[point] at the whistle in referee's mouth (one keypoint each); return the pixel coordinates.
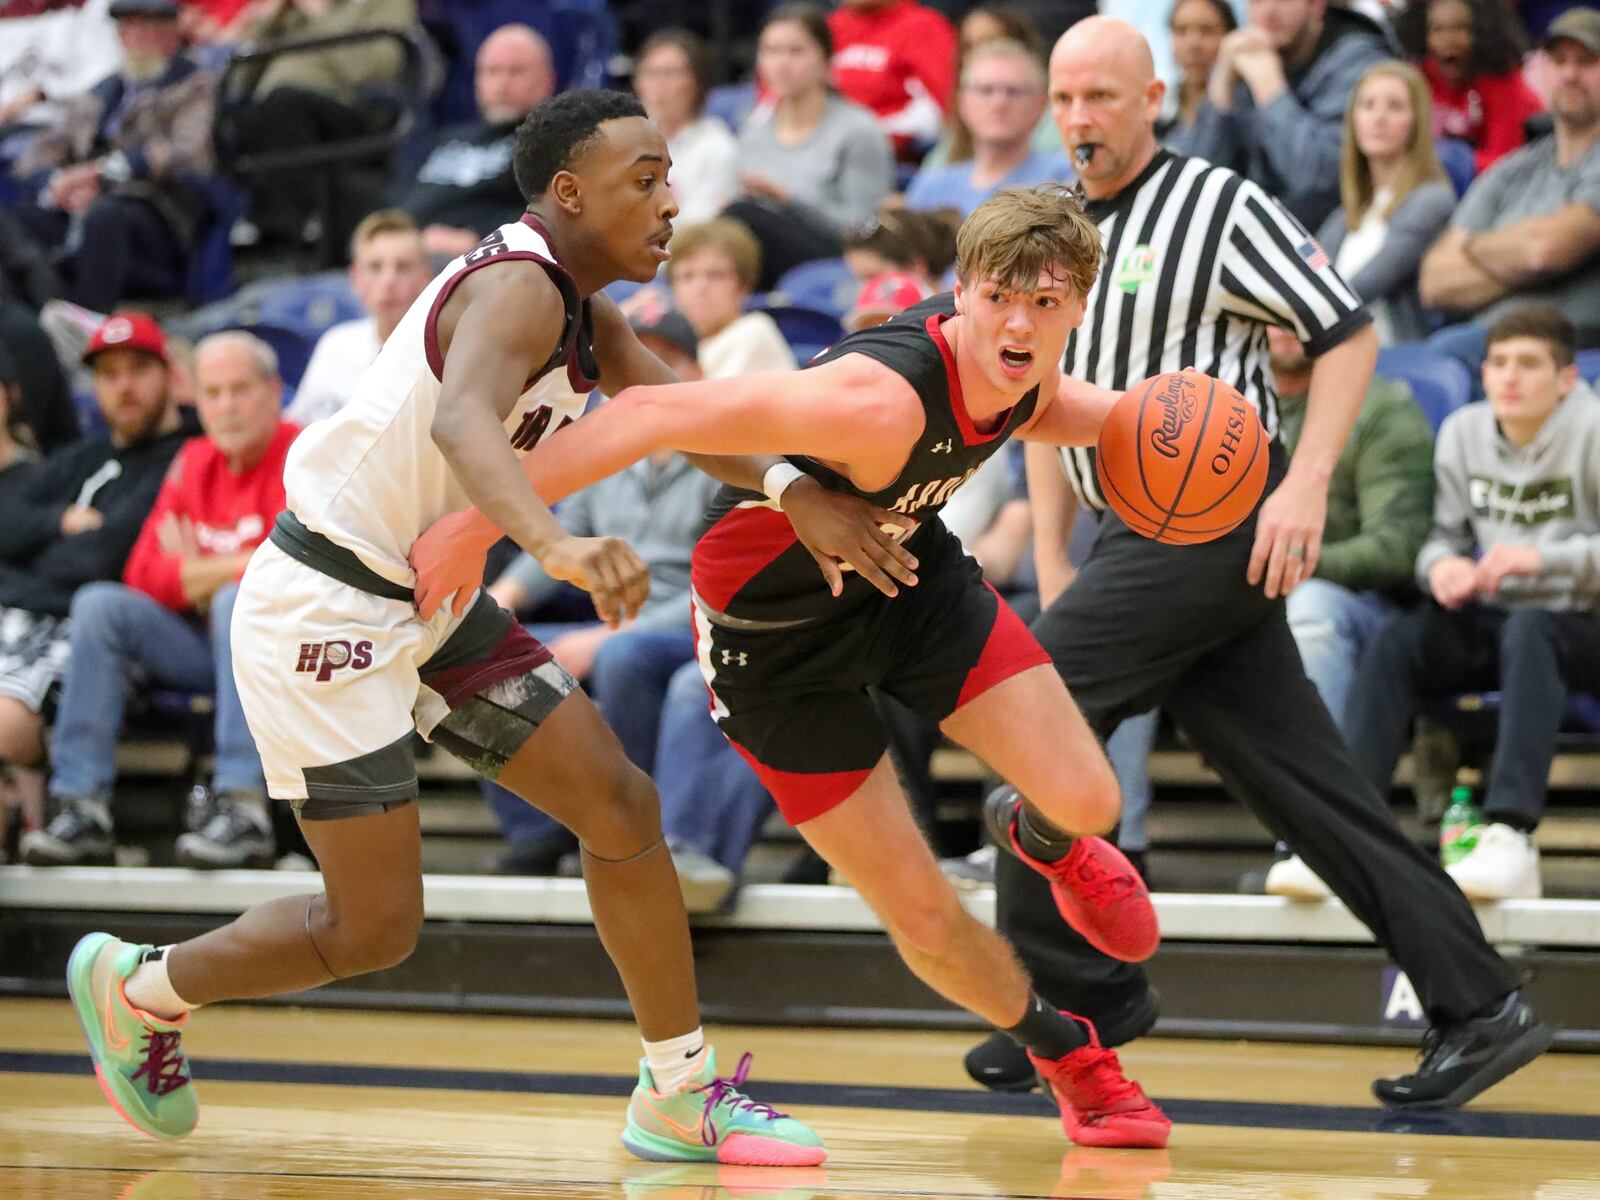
(1083, 154)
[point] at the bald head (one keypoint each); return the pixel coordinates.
(1105, 98)
(1109, 42)
(514, 72)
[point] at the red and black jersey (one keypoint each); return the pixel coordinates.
(748, 565)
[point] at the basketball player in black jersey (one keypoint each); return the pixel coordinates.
(900, 416)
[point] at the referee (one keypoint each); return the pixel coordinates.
(1199, 262)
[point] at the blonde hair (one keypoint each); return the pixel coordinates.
(1356, 189)
(724, 234)
(385, 220)
(1018, 232)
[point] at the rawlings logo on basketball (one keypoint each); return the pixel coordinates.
(1178, 405)
(322, 659)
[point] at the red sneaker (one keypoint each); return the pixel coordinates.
(1099, 894)
(1100, 1106)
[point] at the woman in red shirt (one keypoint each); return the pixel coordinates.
(1471, 53)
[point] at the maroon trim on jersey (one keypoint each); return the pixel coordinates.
(430, 327)
(735, 550)
(538, 226)
(958, 402)
(517, 653)
(1010, 650)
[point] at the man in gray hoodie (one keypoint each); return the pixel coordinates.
(1274, 109)
(1513, 566)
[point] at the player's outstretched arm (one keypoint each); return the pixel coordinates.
(1069, 413)
(851, 411)
(839, 531)
(495, 331)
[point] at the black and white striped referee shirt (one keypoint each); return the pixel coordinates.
(1198, 262)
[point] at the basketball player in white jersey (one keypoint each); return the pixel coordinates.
(336, 669)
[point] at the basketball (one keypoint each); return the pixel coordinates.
(1182, 458)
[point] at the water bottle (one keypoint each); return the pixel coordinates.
(1459, 827)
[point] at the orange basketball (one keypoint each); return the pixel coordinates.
(1182, 458)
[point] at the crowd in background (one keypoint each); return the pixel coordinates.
(1442, 153)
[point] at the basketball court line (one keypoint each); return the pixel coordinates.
(1548, 1126)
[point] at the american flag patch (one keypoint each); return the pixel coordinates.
(1311, 251)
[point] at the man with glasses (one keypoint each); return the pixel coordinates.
(1001, 100)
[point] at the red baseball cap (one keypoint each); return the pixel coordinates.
(886, 294)
(128, 331)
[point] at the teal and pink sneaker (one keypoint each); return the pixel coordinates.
(711, 1120)
(137, 1057)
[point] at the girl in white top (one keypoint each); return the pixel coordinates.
(1396, 198)
(672, 78)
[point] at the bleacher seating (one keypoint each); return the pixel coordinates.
(808, 331)
(1456, 157)
(825, 285)
(1589, 365)
(1440, 384)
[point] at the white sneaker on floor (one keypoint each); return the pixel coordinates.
(1504, 865)
(1292, 878)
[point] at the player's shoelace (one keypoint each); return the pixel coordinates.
(1095, 881)
(726, 1091)
(163, 1064)
(1100, 1069)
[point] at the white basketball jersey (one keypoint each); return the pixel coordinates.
(370, 478)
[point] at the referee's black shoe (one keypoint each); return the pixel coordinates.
(1461, 1060)
(1001, 1065)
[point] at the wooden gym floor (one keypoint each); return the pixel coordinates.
(341, 1105)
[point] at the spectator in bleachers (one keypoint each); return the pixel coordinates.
(1513, 568)
(76, 522)
(657, 505)
(1529, 227)
(903, 239)
(50, 52)
(1001, 99)
(990, 23)
(712, 272)
(110, 181)
(464, 187)
(43, 402)
(898, 59)
(313, 98)
(388, 271)
(812, 163)
(1395, 196)
(1198, 28)
(672, 79)
(167, 623)
(1471, 52)
(1276, 101)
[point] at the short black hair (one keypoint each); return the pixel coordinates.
(556, 131)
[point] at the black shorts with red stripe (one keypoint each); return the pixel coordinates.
(792, 699)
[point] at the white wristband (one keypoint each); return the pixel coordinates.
(777, 480)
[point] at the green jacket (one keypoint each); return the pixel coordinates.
(1380, 499)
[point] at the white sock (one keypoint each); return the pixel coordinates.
(674, 1060)
(149, 989)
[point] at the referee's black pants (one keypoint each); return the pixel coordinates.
(1177, 626)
